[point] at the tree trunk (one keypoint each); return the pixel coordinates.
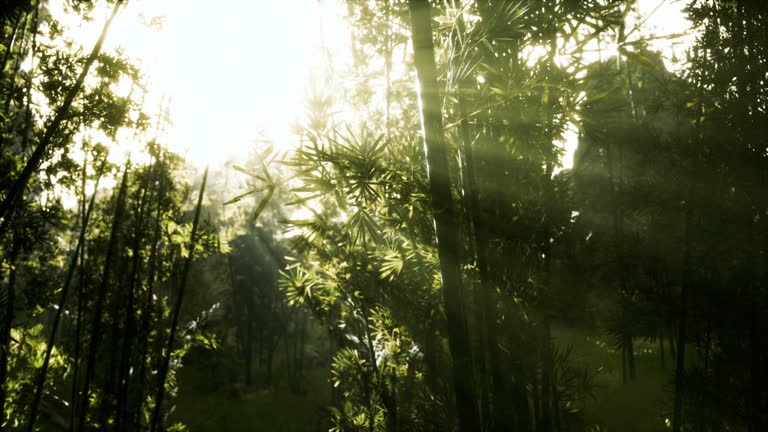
(12, 39)
(300, 354)
(680, 360)
(163, 373)
(33, 163)
(631, 358)
(98, 312)
(623, 365)
(5, 336)
(148, 309)
(15, 65)
(41, 375)
(80, 300)
(445, 217)
(248, 348)
(547, 381)
(478, 235)
(123, 376)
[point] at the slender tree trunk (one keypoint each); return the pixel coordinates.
(671, 343)
(707, 344)
(302, 342)
(260, 346)
(148, 306)
(485, 298)
(686, 270)
(445, 217)
(682, 325)
(546, 381)
(483, 291)
(123, 380)
(12, 39)
(5, 336)
(509, 407)
(627, 354)
(163, 373)
(80, 300)
(681, 341)
(619, 212)
(555, 402)
(387, 67)
(42, 373)
(96, 330)
(53, 127)
(248, 346)
(15, 66)
(623, 366)
(536, 395)
(752, 73)
(116, 299)
(270, 357)
(631, 358)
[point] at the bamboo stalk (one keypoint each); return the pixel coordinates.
(163, 374)
(6, 207)
(42, 372)
(101, 296)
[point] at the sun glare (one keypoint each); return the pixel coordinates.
(236, 74)
(232, 73)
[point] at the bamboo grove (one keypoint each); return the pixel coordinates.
(429, 263)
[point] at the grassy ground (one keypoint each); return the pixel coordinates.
(635, 406)
(244, 410)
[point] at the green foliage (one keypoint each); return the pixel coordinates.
(656, 234)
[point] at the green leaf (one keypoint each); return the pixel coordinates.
(241, 196)
(263, 204)
(498, 91)
(392, 266)
(247, 172)
(302, 200)
(638, 58)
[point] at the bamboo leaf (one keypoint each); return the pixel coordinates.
(263, 204)
(302, 200)
(241, 196)
(641, 59)
(249, 173)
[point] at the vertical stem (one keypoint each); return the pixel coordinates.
(485, 298)
(445, 217)
(682, 325)
(147, 310)
(95, 336)
(40, 379)
(388, 67)
(15, 65)
(123, 379)
(163, 374)
(80, 300)
(34, 161)
(5, 336)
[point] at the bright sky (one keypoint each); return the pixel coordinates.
(236, 70)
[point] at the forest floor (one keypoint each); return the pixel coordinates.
(634, 406)
(244, 410)
(641, 405)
